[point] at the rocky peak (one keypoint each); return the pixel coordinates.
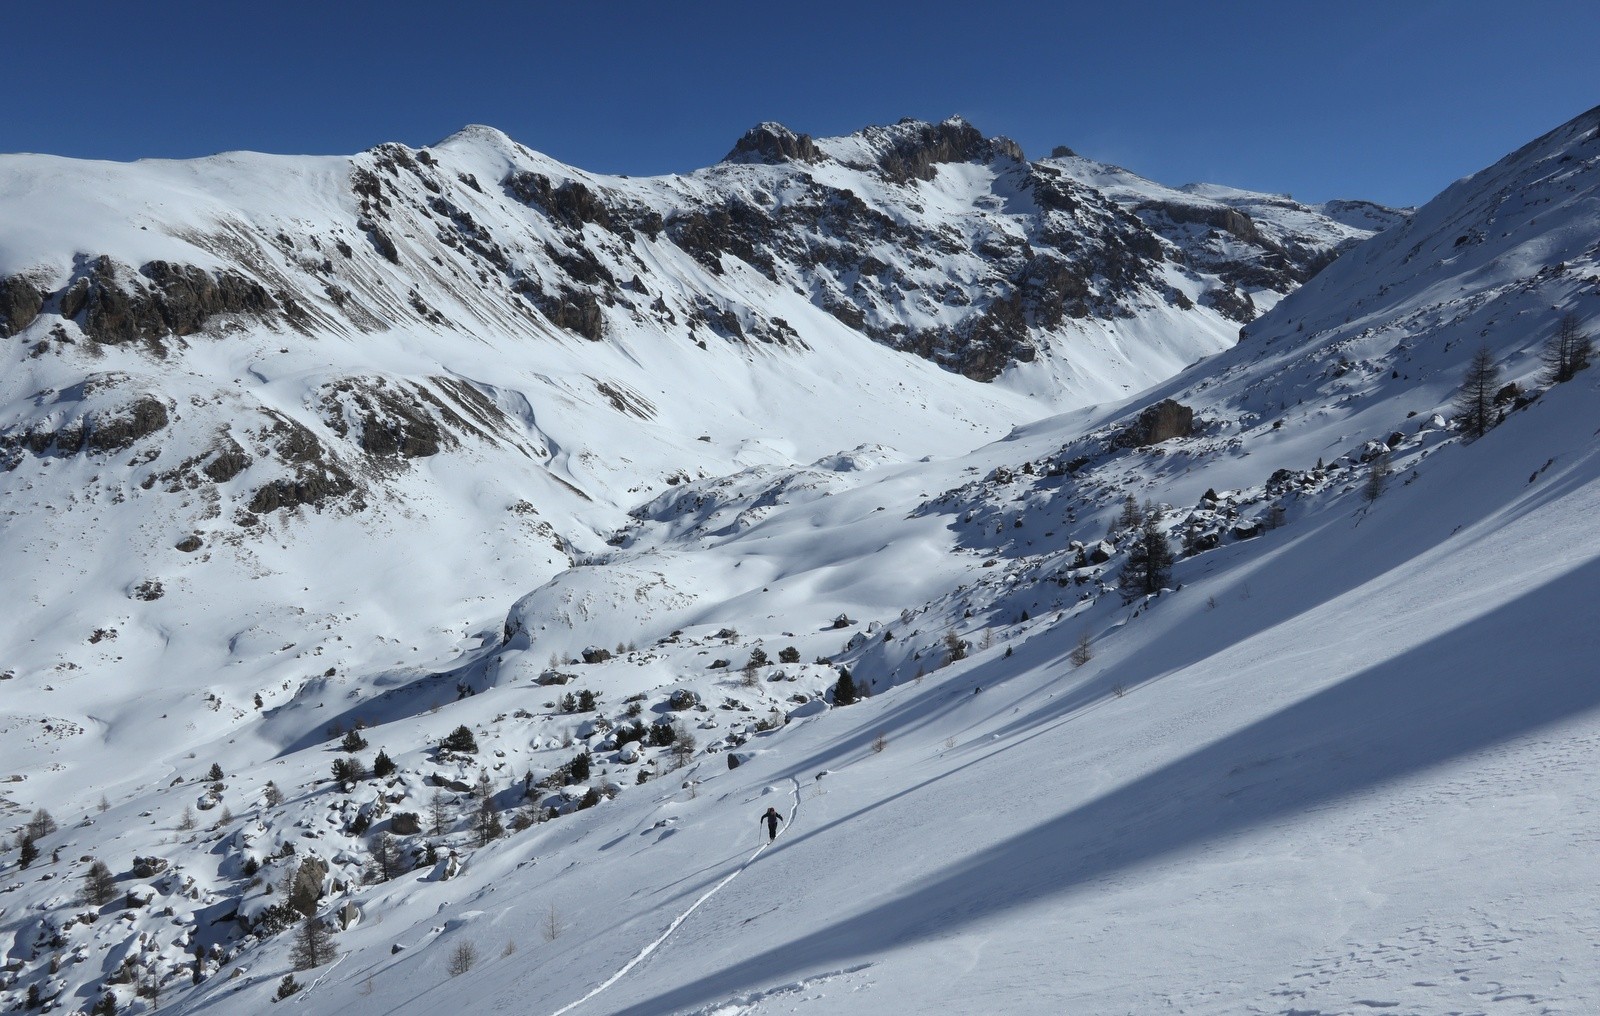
(773, 143)
(911, 149)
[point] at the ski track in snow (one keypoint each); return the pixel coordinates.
(748, 1003)
(678, 921)
(305, 992)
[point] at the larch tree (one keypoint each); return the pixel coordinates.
(313, 945)
(1566, 352)
(1474, 401)
(99, 886)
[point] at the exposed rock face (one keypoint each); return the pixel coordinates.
(306, 489)
(569, 203)
(316, 478)
(1215, 237)
(386, 420)
(914, 148)
(114, 306)
(112, 431)
(20, 301)
(1230, 220)
(773, 143)
(1161, 422)
(228, 461)
(149, 867)
(1231, 304)
(576, 310)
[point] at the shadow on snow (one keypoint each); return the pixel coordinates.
(1456, 695)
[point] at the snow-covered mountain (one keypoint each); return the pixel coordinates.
(1341, 761)
(242, 387)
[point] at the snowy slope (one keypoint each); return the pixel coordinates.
(1339, 765)
(243, 388)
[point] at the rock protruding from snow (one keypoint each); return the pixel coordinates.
(1163, 421)
(773, 143)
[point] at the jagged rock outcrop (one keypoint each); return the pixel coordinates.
(385, 420)
(1229, 220)
(1163, 421)
(20, 302)
(773, 143)
(316, 476)
(911, 149)
(118, 429)
(114, 305)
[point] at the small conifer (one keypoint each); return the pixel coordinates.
(461, 740)
(844, 690)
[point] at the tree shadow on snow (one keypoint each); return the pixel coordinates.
(1456, 695)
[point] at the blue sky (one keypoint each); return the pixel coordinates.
(1390, 101)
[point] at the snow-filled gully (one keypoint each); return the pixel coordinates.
(677, 921)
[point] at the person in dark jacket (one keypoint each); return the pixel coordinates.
(771, 818)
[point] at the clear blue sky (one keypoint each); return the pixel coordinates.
(1390, 101)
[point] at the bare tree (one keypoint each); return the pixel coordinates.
(40, 825)
(682, 749)
(1081, 653)
(1131, 519)
(99, 887)
(150, 987)
(488, 826)
(462, 957)
(553, 925)
(437, 812)
(1377, 477)
(313, 945)
(1566, 352)
(386, 862)
(1474, 401)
